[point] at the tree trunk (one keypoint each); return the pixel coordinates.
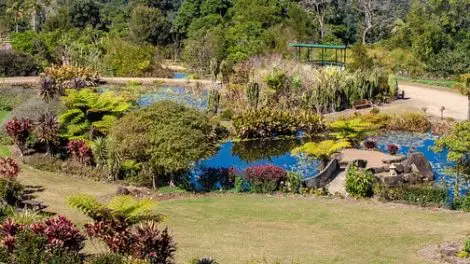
(364, 35)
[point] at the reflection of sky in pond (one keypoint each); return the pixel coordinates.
(226, 158)
(180, 75)
(187, 96)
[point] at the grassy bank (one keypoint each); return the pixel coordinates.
(239, 228)
(429, 82)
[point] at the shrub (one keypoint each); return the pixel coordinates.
(466, 246)
(370, 144)
(61, 234)
(293, 183)
(211, 178)
(9, 169)
(19, 131)
(203, 260)
(71, 77)
(414, 194)
(34, 108)
(412, 122)
(14, 64)
(359, 183)
(352, 129)
(226, 115)
(108, 258)
(79, 151)
(153, 245)
(462, 203)
(266, 123)
(393, 149)
(265, 178)
(10, 98)
(10, 192)
(166, 137)
(241, 184)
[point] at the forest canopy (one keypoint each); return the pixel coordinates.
(410, 37)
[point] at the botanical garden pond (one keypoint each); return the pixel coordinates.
(241, 155)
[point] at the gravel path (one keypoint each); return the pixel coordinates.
(456, 105)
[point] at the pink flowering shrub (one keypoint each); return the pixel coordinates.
(265, 178)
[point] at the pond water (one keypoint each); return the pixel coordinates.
(191, 97)
(180, 75)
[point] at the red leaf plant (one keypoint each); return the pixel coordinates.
(265, 172)
(19, 131)
(9, 169)
(79, 150)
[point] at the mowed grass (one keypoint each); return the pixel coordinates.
(236, 228)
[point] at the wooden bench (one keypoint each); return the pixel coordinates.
(360, 104)
(34, 205)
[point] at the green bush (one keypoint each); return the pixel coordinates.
(13, 97)
(267, 123)
(466, 246)
(424, 195)
(226, 115)
(108, 258)
(241, 184)
(293, 183)
(166, 138)
(124, 58)
(462, 203)
(10, 192)
(411, 122)
(14, 64)
(359, 183)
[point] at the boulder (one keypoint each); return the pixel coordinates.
(417, 163)
(122, 191)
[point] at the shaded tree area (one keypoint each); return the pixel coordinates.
(433, 33)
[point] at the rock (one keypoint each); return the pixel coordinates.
(449, 250)
(122, 191)
(395, 159)
(389, 181)
(421, 166)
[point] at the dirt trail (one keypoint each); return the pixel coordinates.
(456, 105)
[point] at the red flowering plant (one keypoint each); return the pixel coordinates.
(265, 178)
(80, 151)
(19, 131)
(393, 149)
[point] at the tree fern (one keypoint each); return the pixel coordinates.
(89, 110)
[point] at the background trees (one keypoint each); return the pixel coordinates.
(417, 36)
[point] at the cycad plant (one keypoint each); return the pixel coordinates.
(90, 113)
(322, 150)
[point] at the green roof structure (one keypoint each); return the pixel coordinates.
(321, 54)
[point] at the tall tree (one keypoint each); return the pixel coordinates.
(319, 8)
(373, 12)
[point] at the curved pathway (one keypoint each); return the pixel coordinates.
(456, 105)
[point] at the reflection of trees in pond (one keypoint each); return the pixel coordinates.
(254, 150)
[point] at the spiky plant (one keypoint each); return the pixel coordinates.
(48, 88)
(47, 130)
(90, 113)
(100, 151)
(322, 150)
(252, 94)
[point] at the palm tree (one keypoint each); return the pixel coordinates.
(322, 150)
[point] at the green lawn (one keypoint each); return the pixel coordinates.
(4, 150)
(238, 228)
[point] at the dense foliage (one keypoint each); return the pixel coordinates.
(359, 182)
(265, 178)
(166, 138)
(125, 37)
